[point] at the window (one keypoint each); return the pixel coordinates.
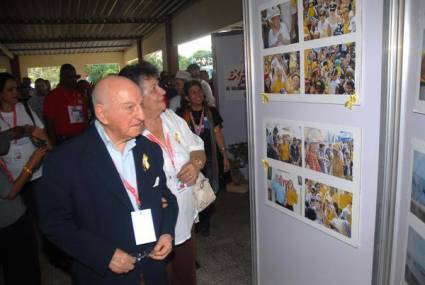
(50, 73)
(96, 72)
(155, 58)
(197, 51)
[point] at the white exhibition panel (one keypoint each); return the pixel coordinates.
(409, 230)
(289, 250)
(229, 55)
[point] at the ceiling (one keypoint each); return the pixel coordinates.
(79, 26)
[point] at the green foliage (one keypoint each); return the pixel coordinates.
(96, 72)
(183, 62)
(202, 57)
(156, 59)
(50, 73)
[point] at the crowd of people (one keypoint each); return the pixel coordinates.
(284, 147)
(326, 18)
(329, 206)
(335, 159)
(330, 70)
(107, 172)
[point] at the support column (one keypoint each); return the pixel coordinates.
(15, 68)
(171, 52)
(140, 49)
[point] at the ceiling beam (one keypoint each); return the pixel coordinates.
(6, 51)
(70, 39)
(69, 48)
(90, 21)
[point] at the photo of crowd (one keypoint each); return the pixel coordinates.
(282, 73)
(415, 259)
(327, 18)
(329, 152)
(328, 206)
(417, 202)
(330, 70)
(280, 24)
(284, 143)
(284, 189)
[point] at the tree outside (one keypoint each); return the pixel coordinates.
(202, 57)
(156, 59)
(50, 73)
(96, 72)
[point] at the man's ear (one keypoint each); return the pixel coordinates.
(101, 113)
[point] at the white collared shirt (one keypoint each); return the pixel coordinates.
(124, 162)
(183, 141)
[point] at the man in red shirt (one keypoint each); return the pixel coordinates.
(65, 110)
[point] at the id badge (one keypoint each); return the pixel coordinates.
(75, 114)
(144, 231)
(17, 154)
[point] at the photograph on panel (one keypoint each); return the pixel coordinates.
(284, 142)
(284, 189)
(328, 206)
(330, 70)
(417, 202)
(282, 73)
(415, 259)
(325, 18)
(329, 151)
(422, 72)
(280, 24)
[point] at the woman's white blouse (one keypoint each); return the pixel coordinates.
(182, 141)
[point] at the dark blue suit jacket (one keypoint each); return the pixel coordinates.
(85, 210)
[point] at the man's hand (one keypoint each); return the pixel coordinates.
(162, 248)
(121, 262)
(188, 174)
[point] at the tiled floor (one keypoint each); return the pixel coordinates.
(224, 256)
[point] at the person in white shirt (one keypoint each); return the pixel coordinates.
(279, 32)
(184, 157)
(180, 79)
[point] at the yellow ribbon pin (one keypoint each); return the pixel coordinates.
(177, 137)
(265, 98)
(351, 101)
(266, 165)
(145, 162)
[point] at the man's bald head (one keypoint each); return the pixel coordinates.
(117, 104)
(110, 88)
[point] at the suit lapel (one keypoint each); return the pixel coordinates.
(143, 169)
(103, 167)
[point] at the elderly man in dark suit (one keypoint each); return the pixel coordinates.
(103, 191)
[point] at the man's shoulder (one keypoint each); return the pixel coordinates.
(77, 145)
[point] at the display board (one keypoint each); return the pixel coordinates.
(314, 125)
(408, 264)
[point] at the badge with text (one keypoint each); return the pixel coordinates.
(75, 114)
(144, 231)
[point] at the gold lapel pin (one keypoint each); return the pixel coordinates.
(145, 162)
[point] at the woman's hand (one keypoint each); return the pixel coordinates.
(36, 157)
(188, 174)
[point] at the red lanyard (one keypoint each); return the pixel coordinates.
(167, 147)
(14, 122)
(3, 167)
(200, 127)
(130, 189)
